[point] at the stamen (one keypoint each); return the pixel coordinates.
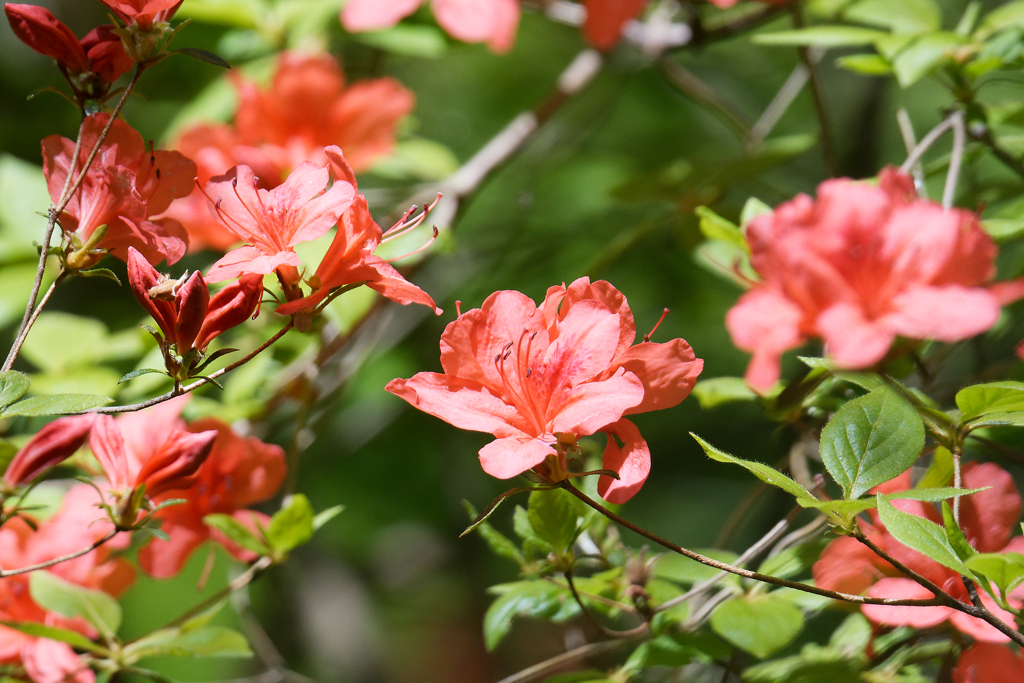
(158, 174)
(256, 189)
(413, 253)
(458, 308)
(234, 186)
(647, 337)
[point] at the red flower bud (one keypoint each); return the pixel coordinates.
(107, 58)
(231, 306)
(52, 444)
(176, 464)
(47, 35)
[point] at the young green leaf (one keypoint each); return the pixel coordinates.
(923, 535)
(326, 516)
(1006, 570)
(498, 543)
(955, 535)
(758, 624)
(555, 516)
(292, 525)
(761, 471)
(870, 440)
(237, 532)
(540, 599)
(719, 390)
(994, 397)
(39, 630)
(714, 227)
(55, 404)
(54, 594)
(822, 36)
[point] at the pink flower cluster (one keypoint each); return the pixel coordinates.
(859, 266)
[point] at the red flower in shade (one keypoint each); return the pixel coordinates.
(537, 378)
(124, 187)
(859, 266)
(167, 465)
(90, 65)
(53, 444)
(186, 314)
(271, 222)
(350, 257)
(985, 663)
(606, 20)
(239, 472)
(144, 13)
(987, 518)
(75, 525)
(472, 21)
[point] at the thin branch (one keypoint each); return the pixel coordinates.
(980, 132)
(693, 87)
(57, 560)
(20, 341)
(910, 142)
(955, 159)
(179, 391)
(828, 154)
(926, 142)
(549, 665)
(640, 630)
(785, 97)
(70, 188)
(748, 574)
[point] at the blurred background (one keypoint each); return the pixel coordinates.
(606, 188)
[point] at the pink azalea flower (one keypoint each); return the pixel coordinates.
(239, 472)
(271, 222)
(125, 186)
(472, 21)
(350, 257)
(858, 267)
(988, 519)
(985, 663)
(539, 377)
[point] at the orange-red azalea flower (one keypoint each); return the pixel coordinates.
(125, 186)
(143, 13)
(539, 377)
(986, 663)
(54, 443)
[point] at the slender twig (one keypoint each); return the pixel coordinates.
(828, 154)
(910, 142)
(780, 103)
(604, 630)
(20, 341)
(692, 86)
(57, 560)
(179, 390)
(956, 157)
(548, 665)
(746, 573)
(70, 188)
(926, 142)
(957, 480)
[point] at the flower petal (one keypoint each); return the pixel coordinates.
(632, 461)
(668, 372)
(507, 457)
(464, 404)
(593, 405)
(904, 589)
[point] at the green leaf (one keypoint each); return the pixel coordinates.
(822, 36)
(853, 636)
(683, 570)
(141, 371)
(955, 535)
(923, 55)
(539, 599)
(202, 56)
(237, 532)
(793, 561)
(985, 399)
(753, 208)
(1006, 570)
(55, 404)
(923, 535)
(209, 641)
(38, 630)
(662, 651)
(814, 664)
(327, 515)
(524, 530)
(761, 471)
(13, 386)
(869, 65)
(555, 516)
(292, 525)
(870, 440)
(940, 470)
(899, 16)
(425, 42)
(758, 624)
(418, 158)
(1003, 229)
(1009, 15)
(714, 227)
(498, 543)
(235, 13)
(719, 390)
(54, 594)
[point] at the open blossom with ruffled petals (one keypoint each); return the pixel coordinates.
(54, 443)
(859, 266)
(187, 315)
(90, 65)
(239, 472)
(125, 186)
(271, 222)
(986, 663)
(988, 519)
(539, 377)
(472, 21)
(77, 523)
(350, 257)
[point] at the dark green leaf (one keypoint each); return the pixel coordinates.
(55, 404)
(496, 541)
(292, 525)
(104, 273)
(524, 530)
(761, 471)
(923, 535)
(853, 636)
(202, 56)
(870, 440)
(540, 599)
(758, 624)
(13, 386)
(54, 594)
(814, 664)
